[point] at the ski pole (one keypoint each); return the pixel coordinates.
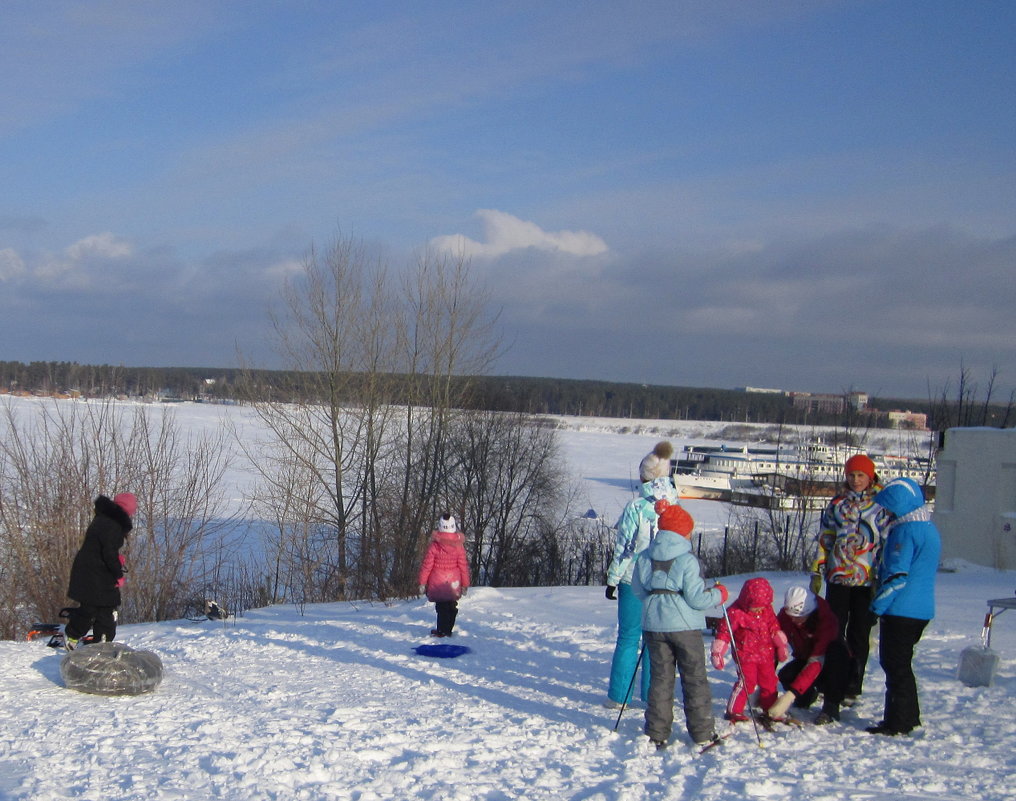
(631, 685)
(740, 673)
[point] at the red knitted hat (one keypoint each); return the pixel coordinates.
(859, 463)
(674, 518)
(127, 502)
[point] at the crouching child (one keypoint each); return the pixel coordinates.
(668, 580)
(820, 662)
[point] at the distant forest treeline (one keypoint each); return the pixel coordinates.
(498, 393)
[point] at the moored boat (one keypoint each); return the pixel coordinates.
(813, 470)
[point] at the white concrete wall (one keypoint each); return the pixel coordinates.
(975, 496)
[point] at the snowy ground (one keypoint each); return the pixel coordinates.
(333, 703)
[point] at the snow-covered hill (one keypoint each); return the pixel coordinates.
(333, 702)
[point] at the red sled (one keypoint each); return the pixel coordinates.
(55, 632)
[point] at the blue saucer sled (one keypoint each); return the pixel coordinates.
(443, 650)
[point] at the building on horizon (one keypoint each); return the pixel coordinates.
(824, 402)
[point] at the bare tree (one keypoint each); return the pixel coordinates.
(508, 482)
(449, 335)
(962, 408)
(361, 451)
(57, 457)
(183, 536)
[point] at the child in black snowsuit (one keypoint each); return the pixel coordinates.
(97, 573)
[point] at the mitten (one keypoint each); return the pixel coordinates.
(782, 646)
(780, 706)
(724, 593)
(816, 583)
(611, 592)
(716, 653)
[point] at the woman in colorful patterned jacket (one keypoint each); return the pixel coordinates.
(849, 543)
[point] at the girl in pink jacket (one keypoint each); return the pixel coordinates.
(444, 574)
(760, 643)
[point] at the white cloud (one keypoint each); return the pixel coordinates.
(505, 233)
(101, 246)
(284, 269)
(87, 259)
(11, 264)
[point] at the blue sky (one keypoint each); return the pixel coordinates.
(808, 195)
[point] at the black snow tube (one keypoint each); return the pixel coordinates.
(111, 668)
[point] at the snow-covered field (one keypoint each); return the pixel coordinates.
(333, 702)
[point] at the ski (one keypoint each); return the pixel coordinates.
(767, 723)
(717, 741)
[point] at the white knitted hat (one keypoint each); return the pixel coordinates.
(447, 524)
(799, 602)
(657, 463)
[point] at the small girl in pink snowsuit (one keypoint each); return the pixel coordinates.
(444, 574)
(759, 642)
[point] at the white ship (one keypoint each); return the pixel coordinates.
(748, 475)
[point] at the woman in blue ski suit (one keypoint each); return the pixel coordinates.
(905, 600)
(636, 528)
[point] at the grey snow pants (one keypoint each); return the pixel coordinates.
(685, 651)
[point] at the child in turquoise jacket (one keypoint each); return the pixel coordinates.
(668, 580)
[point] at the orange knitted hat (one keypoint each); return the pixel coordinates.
(859, 463)
(674, 518)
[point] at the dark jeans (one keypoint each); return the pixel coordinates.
(685, 651)
(100, 619)
(830, 682)
(447, 611)
(852, 606)
(897, 638)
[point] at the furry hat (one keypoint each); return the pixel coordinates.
(799, 602)
(447, 524)
(657, 463)
(859, 463)
(673, 517)
(127, 502)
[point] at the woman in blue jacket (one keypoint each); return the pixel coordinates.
(905, 600)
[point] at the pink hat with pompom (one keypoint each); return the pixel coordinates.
(127, 502)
